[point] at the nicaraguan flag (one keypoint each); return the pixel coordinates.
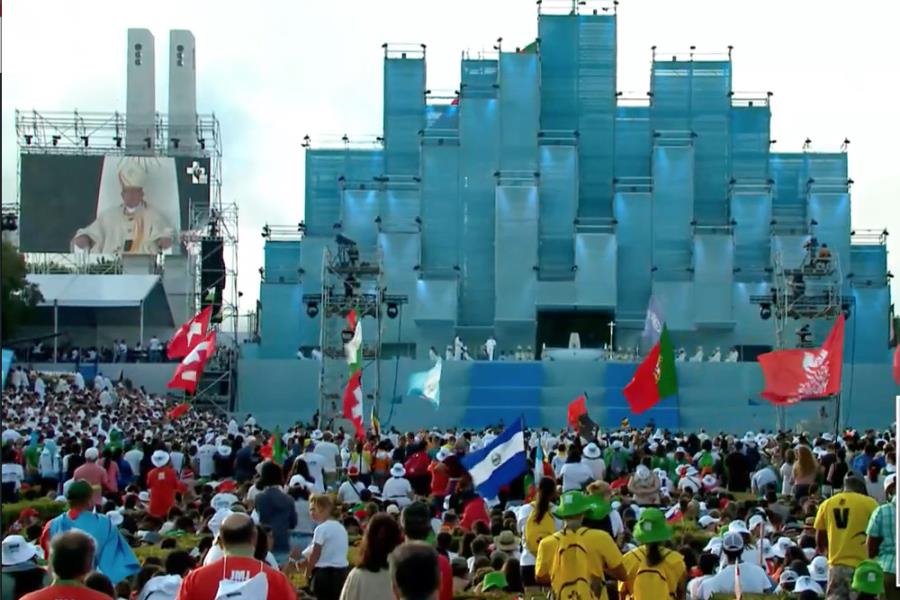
(499, 462)
(427, 384)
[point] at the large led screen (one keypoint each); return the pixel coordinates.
(109, 204)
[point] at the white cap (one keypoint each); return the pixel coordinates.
(818, 568)
(805, 583)
(756, 521)
(442, 455)
(375, 490)
(592, 451)
(392, 509)
(781, 546)
(714, 545)
(738, 526)
(223, 501)
(91, 454)
(16, 550)
(300, 481)
(890, 480)
(317, 434)
(706, 520)
(617, 444)
(144, 496)
(732, 541)
(397, 470)
(787, 576)
(159, 458)
(115, 517)
(809, 553)
(709, 482)
(224, 451)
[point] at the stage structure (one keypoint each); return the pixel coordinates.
(538, 200)
(67, 176)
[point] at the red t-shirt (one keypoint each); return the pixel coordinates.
(65, 592)
(162, 483)
(445, 590)
(202, 583)
(440, 478)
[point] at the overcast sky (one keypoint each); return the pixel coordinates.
(274, 71)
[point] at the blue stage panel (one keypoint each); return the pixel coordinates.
(676, 300)
(404, 114)
(558, 209)
(359, 211)
(322, 206)
(519, 111)
(398, 209)
(634, 235)
(670, 107)
(504, 390)
(282, 333)
(441, 213)
(436, 300)
(867, 262)
(711, 122)
(831, 211)
(868, 332)
(713, 265)
(673, 195)
(750, 142)
(633, 141)
(400, 279)
(282, 261)
(595, 279)
(559, 72)
(751, 213)
(515, 252)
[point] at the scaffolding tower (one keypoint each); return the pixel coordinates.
(350, 281)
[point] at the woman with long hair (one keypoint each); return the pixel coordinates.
(371, 579)
(535, 521)
(575, 474)
(112, 471)
(652, 570)
(787, 472)
(805, 471)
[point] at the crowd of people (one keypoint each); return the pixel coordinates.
(633, 513)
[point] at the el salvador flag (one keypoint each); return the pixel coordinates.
(498, 463)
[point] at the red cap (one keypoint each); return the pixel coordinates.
(28, 512)
(229, 485)
(353, 471)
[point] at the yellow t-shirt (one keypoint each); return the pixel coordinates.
(672, 568)
(844, 518)
(601, 550)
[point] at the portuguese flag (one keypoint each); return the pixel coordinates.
(654, 378)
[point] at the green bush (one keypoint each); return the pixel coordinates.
(46, 507)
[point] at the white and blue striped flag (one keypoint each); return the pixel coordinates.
(499, 462)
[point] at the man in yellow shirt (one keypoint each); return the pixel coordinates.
(576, 557)
(841, 532)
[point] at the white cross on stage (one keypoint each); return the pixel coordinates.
(612, 328)
(197, 173)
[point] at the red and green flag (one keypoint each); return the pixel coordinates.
(274, 448)
(654, 378)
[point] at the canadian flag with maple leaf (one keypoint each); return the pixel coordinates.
(801, 373)
(187, 374)
(189, 334)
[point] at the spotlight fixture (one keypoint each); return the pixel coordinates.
(148, 142)
(392, 310)
(84, 140)
(28, 137)
(202, 143)
(312, 309)
(765, 311)
(346, 335)
(176, 142)
(845, 308)
(55, 140)
(118, 140)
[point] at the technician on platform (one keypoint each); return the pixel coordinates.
(132, 228)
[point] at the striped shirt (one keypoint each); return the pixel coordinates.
(881, 525)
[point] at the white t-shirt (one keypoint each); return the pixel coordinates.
(205, 462)
(10, 435)
(575, 476)
(316, 465)
(134, 457)
(332, 537)
(597, 467)
(177, 459)
(693, 587)
(618, 525)
(753, 581)
(764, 477)
(329, 452)
(12, 473)
(397, 489)
(346, 493)
(49, 463)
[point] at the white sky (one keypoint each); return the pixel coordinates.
(273, 71)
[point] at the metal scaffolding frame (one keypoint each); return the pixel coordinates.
(80, 133)
(349, 281)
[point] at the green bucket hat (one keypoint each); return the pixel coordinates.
(494, 579)
(868, 578)
(651, 527)
(600, 508)
(572, 504)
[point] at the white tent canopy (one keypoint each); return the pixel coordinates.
(97, 291)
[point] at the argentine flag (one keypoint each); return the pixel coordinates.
(498, 463)
(427, 384)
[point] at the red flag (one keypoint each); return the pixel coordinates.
(177, 411)
(800, 373)
(187, 374)
(897, 365)
(189, 334)
(577, 408)
(267, 450)
(353, 403)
